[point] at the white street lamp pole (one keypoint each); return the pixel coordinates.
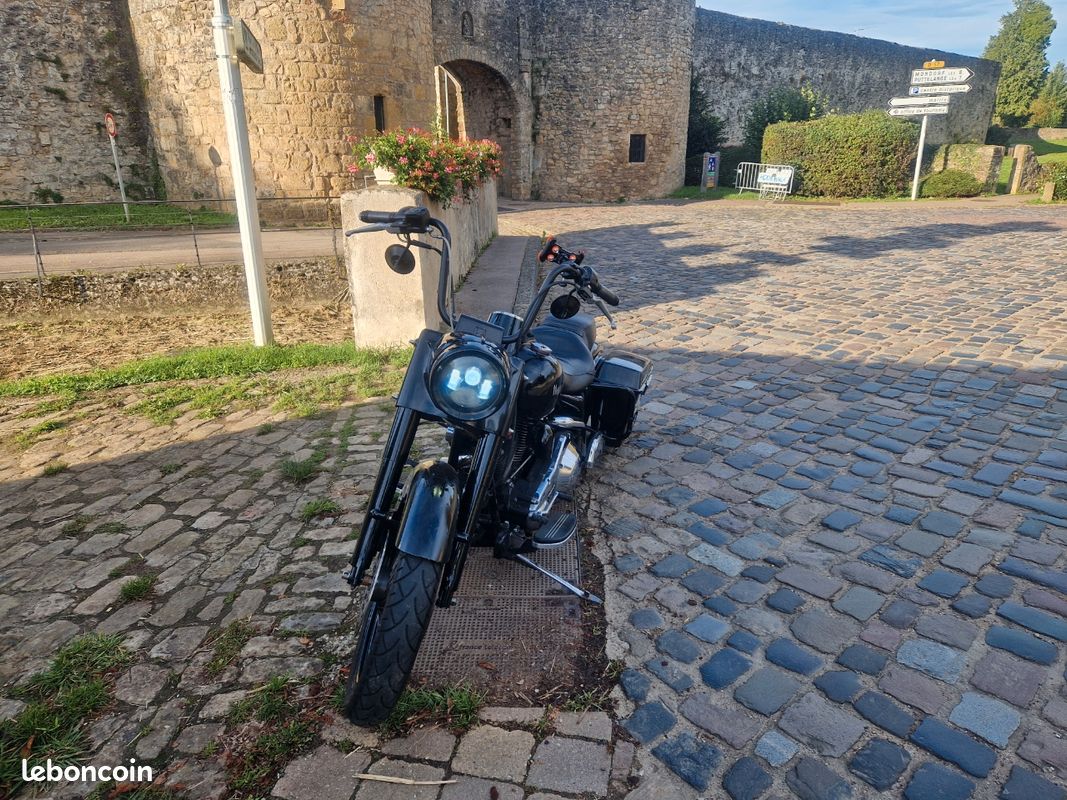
(233, 104)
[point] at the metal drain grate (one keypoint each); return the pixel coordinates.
(510, 624)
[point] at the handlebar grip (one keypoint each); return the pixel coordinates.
(380, 217)
(607, 295)
(410, 219)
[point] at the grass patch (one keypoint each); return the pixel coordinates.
(1049, 152)
(1004, 178)
(30, 436)
(719, 193)
(322, 507)
(225, 378)
(102, 216)
(227, 645)
(455, 707)
(137, 588)
(59, 700)
(268, 703)
(170, 469)
(590, 700)
(270, 752)
(76, 526)
(54, 468)
(208, 362)
(111, 527)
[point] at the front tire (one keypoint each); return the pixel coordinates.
(393, 628)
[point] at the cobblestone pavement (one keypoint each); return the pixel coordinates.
(837, 538)
(835, 544)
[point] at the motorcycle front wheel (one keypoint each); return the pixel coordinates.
(393, 627)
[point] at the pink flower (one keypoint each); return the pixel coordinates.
(370, 158)
(353, 168)
(449, 168)
(401, 139)
(403, 159)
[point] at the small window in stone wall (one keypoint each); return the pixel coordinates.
(466, 24)
(379, 113)
(637, 148)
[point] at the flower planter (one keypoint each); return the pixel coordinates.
(384, 177)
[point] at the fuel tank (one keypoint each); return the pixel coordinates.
(543, 381)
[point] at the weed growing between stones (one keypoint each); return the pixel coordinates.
(137, 588)
(54, 468)
(227, 645)
(270, 727)
(32, 435)
(77, 526)
(454, 707)
(321, 507)
(59, 701)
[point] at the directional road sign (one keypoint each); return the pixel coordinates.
(948, 75)
(915, 111)
(949, 88)
(929, 100)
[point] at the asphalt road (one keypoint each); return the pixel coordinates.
(113, 251)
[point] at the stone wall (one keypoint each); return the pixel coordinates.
(210, 286)
(62, 67)
(737, 61)
(981, 160)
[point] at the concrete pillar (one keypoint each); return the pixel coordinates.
(390, 309)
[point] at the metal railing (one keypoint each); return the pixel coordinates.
(197, 218)
(770, 180)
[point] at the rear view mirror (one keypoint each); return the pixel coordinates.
(565, 306)
(400, 259)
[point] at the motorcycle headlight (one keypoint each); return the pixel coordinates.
(467, 384)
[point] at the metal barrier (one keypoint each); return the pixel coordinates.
(196, 218)
(770, 180)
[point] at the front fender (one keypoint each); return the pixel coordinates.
(429, 520)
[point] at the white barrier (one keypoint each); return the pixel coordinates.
(770, 180)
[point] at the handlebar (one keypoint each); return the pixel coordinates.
(593, 281)
(412, 219)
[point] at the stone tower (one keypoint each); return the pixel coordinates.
(611, 92)
(332, 67)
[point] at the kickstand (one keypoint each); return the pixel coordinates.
(570, 587)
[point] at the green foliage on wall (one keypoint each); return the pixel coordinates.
(1056, 173)
(784, 104)
(846, 155)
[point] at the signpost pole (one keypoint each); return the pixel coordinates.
(244, 189)
(704, 172)
(118, 175)
(919, 159)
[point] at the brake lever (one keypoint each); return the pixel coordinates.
(604, 310)
(367, 229)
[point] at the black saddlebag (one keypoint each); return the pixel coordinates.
(621, 379)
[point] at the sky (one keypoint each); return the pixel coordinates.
(958, 26)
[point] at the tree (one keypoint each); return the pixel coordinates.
(784, 104)
(1020, 47)
(1049, 109)
(705, 129)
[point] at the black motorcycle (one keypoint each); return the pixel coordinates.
(526, 410)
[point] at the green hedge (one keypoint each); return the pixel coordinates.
(952, 183)
(1056, 173)
(846, 155)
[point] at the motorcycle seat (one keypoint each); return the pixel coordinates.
(582, 324)
(572, 353)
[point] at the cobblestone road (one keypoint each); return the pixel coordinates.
(835, 545)
(838, 535)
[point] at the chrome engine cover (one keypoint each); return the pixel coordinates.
(560, 480)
